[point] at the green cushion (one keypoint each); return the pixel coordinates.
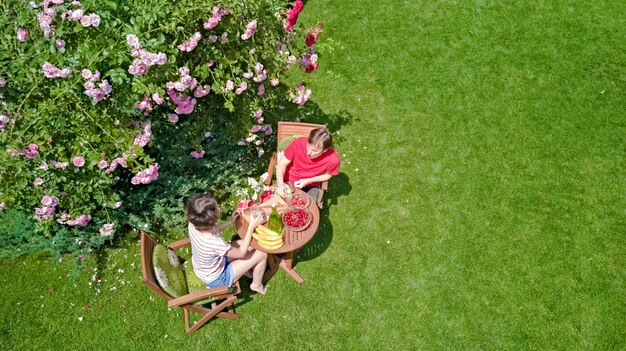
(282, 145)
(169, 272)
(195, 284)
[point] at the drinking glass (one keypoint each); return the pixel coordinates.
(287, 193)
(256, 212)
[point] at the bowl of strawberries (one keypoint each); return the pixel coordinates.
(297, 219)
(300, 200)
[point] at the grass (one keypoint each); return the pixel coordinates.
(480, 205)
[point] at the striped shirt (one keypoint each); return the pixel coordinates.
(207, 254)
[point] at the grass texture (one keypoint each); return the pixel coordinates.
(480, 204)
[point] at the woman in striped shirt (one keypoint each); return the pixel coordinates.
(215, 261)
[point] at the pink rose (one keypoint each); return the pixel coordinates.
(103, 164)
(107, 229)
(38, 181)
(78, 161)
(172, 118)
(197, 154)
(59, 44)
(22, 34)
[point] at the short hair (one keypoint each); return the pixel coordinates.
(321, 135)
(202, 211)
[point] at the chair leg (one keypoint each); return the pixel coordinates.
(229, 301)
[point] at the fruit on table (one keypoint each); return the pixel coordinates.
(267, 238)
(299, 201)
(296, 218)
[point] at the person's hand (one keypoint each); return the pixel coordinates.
(255, 221)
(300, 183)
(234, 216)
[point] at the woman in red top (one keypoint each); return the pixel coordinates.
(308, 161)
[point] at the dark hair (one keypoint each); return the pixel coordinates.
(321, 135)
(202, 211)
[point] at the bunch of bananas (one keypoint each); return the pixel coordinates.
(268, 239)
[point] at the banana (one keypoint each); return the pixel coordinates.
(269, 236)
(271, 247)
(269, 241)
(265, 230)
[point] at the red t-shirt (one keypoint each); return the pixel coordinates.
(302, 166)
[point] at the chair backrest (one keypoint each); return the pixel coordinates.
(147, 268)
(286, 129)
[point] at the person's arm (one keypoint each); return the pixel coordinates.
(242, 250)
(223, 225)
(318, 179)
(281, 167)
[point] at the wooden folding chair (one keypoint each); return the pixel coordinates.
(218, 299)
(287, 131)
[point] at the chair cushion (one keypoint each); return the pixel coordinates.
(195, 284)
(282, 145)
(169, 272)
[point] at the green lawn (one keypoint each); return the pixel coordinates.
(480, 204)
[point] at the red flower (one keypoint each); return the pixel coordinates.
(310, 68)
(313, 33)
(292, 17)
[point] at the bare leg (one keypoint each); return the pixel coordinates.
(256, 260)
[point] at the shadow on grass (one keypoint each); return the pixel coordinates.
(338, 186)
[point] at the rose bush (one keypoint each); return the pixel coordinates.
(113, 112)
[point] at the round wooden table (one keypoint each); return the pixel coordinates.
(293, 240)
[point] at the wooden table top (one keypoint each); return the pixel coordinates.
(293, 240)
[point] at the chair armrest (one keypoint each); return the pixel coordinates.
(178, 244)
(270, 170)
(198, 295)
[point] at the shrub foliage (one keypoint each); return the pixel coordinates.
(112, 112)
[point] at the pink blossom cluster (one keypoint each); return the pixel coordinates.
(38, 181)
(190, 44)
(50, 71)
(47, 210)
(81, 220)
(144, 105)
(78, 161)
(202, 91)
(250, 29)
(301, 96)
(242, 87)
(146, 176)
(107, 230)
(31, 151)
(102, 91)
(184, 105)
(308, 62)
(197, 154)
(144, 59)
(261, 73)
(45, 20)
(143, 137)
(157, 98)
(274, 82)
(292, 16)
(216, 17)
(78, 15)
(185, 82)
(59, 165)
(22, 34)
(118, 161)
(4, 120)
